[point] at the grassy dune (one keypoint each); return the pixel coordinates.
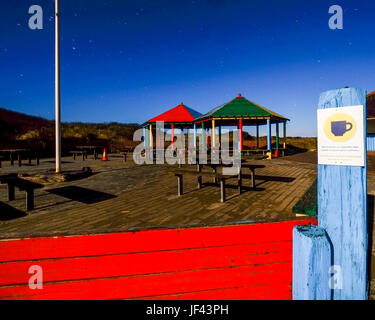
(19, 130)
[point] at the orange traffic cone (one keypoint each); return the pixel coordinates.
(104, 158)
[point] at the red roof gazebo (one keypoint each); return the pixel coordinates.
(180, 115)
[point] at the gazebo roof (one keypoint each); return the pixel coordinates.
(179, 114)
(371, 105)
(241, 107)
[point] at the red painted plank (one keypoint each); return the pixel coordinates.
(156, 284)
(147, 241)
(147, 263)
(247, 261)
(282, 291)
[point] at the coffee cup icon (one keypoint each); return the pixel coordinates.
(339, 128)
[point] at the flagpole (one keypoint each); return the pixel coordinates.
(57, 90)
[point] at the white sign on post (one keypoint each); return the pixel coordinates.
(341, 136)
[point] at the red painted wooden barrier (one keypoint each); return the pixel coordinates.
(249, 261)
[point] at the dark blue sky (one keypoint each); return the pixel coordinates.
(128, 61)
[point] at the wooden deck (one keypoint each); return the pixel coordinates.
(122, 196)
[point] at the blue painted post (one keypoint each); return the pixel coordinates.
(144, 137)
(257, 136)
(277, 136)
(370, 142)
(342, 207)
(269, 135)
(195, 136)
(311, 262)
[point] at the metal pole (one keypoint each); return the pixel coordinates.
(57, 90)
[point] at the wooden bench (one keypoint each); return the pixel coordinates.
(96, 154)
(94, 150)
(219, 178)
(79, 152)
(23, 185)
(19, 155)
(252, 168)
(249, 166)
(126, 152)
(254, 151)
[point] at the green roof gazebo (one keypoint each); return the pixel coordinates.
(243, 112)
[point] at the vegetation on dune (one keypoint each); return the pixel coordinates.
(19, 130)
(301, 143)
(110, 131)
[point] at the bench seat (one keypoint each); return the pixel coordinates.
(179, 173)
(23, 185)
(79, 152)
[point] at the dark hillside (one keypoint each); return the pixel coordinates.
(19, 130)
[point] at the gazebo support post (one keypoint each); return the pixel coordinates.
(172, 133)
(158, 135)
(284, 134)
(150, 137)
(195, 136)
(208, 137)
(144, 137)
(182, 140)
(277, 136)
(150, 141)
(269, 134)
(213, 134)
(240, 128)
(220, 134)
(203, 136)
(257, 133)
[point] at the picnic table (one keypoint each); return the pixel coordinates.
(85, 150)
(256, 151)
(250, 167)
(217, 177)
(13, 181)
(19, 154)
(76, 153)
(247, 152)
(126, 151)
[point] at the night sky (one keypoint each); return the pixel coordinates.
(127, 61)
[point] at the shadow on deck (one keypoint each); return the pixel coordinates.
(80, 194)
(9, 213)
